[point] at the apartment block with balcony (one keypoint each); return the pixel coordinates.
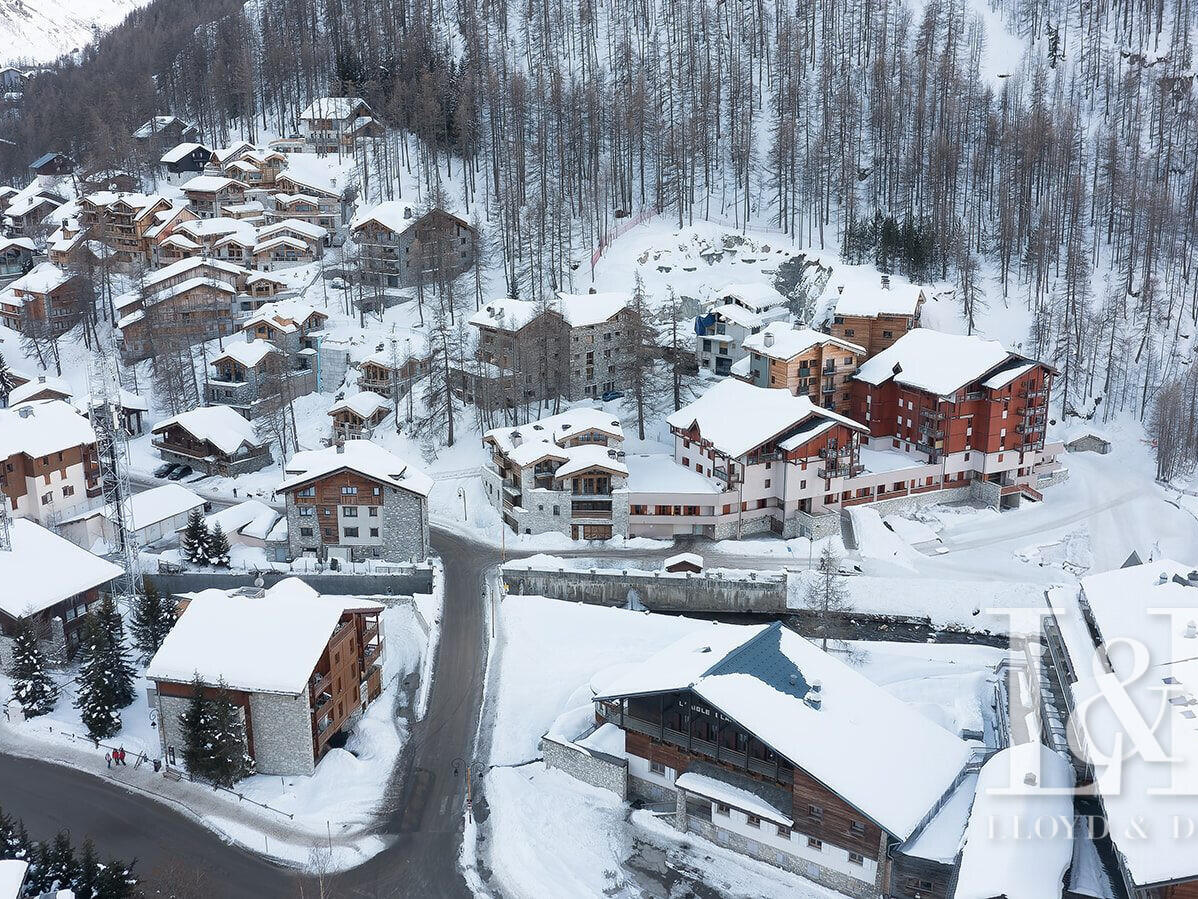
(298, 665)
(564, 473)
(399, 247)
(738, 312)
(803, 361)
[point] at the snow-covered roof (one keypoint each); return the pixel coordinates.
(362, 456)
(182, 241)
(209, 184)
(364, 404)
(587, 456)
(1153, 606)
(283, 240)
(781, 340)
(729, 794)
(746, 318)
(177, 153)
(12, 870)
(755, 296)
(49, 426)
(659, 473)
(940, 839)
(42, 278)
(824, 717)
(1001, 379)
(394, 215)
(219, 425)
(736, 417)
(683, 558)
(505, 314)
(23, 205)
(250, 353)
(251, 517)
(21, 243)
(184, 266)
(333, 108)
(221, 154)
(150, 507)
(1001, 857)
(267, 644)
(220, 226)
(36, 385)
(43, 569)
(299, 226)
(285, 315)
(156, 124)
(934, 361)
(858, 291)
(555, 428)
(584, 309)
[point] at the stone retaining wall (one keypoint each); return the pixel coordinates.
(599, 769)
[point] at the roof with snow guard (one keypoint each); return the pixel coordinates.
(815, 711)
(528, 444)
(736, 417)
(218, 425)
(937, 362)
(260, 644)
(362, 456)
(48, 426)
(43, 569)
(781, 340)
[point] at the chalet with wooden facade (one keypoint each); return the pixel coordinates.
(243, 377)
(45, 300)
(164, 131)
(41, 387)
(564, 474)
(299, 665)
(186, 157)
(29, 210)
(770, 746)
(16, 256)
(873, 315)
(48, 460)
(399, 248)
(355, 501)
(803, 361)
(212, 439)
(357, 416)
(210, 194)
(52, 165)
(391, 374)
(123, 221)
(51, 582)
(333, 124)
(315, 201)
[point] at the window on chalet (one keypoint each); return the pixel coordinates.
(307, 491)
(848, 332)
(349, 491)
(305, 532)
(373, 511)
(374, 532)
(856, 858)
(349, 511)
(813, 843)
(753, 821)
(721, 809)
(783, 832)
(815, 811)
(857, 827)
(351, 532)
(657, 768)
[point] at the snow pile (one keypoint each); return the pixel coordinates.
(877, 542)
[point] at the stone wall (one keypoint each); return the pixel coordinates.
(607, 772)
(709, 591)
(909, 503)
(986, 492)
(282, 733)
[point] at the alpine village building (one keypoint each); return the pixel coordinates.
(299, 666)
(398, 248)
(355, 501)
(48, 459)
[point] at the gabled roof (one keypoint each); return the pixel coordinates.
(934, 361)
(333, 108)
(781, 340)
(553, 429)
(756, 296)
(585, 309)
(218, 425)
(250, 354)
(184, 266)
(49, 426)
(181, 151)
(156, 124)
(505, 314)
(42, 278)
(43, 569)
(859, 292)
(210, 184)
(736, 417)
(812, 709)
(364, 405)
(37, 385)
(362, 456)
(46, 158)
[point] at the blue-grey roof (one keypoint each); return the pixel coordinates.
(42, 160)
(763, 658)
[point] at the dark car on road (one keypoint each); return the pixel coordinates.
(165, 470)
(180, 473)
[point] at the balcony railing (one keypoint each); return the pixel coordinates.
(697, 746)
(933, 414)
(931, 432)
(1032, 394)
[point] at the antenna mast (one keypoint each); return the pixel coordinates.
(112, 451)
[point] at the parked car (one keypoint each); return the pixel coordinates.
(609, 395)
(165, 470)
(180, 473)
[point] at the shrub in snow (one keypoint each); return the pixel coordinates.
(33, 688)
(97, 696)
(152, 619)
(194, 542)
(215, 747)
(826, 593)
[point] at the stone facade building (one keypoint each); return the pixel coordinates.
(563, 473)
(298, 665)
(355, 501)
(400, 248)
(213, 439)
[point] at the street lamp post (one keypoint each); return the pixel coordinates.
(462, 494)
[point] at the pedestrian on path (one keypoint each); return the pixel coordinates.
(108, 758)
(120, 754)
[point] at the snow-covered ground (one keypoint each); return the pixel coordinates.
(33, 31)
(545, 656)
(334, 807)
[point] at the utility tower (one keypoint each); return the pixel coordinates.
(112, 451)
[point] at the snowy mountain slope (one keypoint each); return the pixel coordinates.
(34, 31)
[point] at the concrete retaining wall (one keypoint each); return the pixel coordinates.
(419, 580)
(658, 591)
(607, 772)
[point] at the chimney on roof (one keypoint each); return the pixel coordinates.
(1192, 630)
(41, 379)
(840, 288)
(340, 444)
(1030, 779)
(1162, 578)
(886, 282)
(25, 411)
(769, 339)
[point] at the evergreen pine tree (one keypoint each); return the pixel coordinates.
(116, 881)
(229, 758)
(195, 539)
(97, 698)
(32, 685)
(152, 619)
(59, 867)
(195, 724)
(6, 381)
(14, 842)
(218, 547)
(87, 876)
(121, 671)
